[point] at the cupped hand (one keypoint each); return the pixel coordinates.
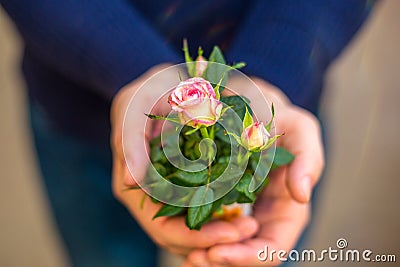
(168, 232)
(283, 209)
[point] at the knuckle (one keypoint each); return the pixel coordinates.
(309, 120)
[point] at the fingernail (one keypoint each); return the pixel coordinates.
(306, 188)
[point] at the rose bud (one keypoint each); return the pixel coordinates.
(196, 102)
(201, 65)
(255, 136)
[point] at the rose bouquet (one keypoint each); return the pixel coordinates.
(217, 157)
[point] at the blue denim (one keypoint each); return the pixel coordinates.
(97, 230)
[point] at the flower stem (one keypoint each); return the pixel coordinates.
(204, 132)
(212, 132)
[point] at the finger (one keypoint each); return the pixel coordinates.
(277, 233)
(303, 139)
(131, 128)
(135, 136)
(246, 225)
(198, 258)
(212, 233)
(178, 250)
(172, 231)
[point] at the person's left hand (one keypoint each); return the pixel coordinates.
(281, 219)
(283, 209)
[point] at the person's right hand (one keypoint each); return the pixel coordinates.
(168, 232)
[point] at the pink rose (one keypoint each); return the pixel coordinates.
(255, 136)
(201, 65)
(196, 102)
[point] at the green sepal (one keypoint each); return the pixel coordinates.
(192, 131)
(238, 65)
(161, 118)
(269, 143)
(247, 120)
(237, 138)
(216, 89)
(268, 126)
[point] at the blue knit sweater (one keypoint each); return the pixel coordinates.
(78, 53)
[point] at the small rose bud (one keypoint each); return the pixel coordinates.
(196, 102)
(201, 65)
(255, 136)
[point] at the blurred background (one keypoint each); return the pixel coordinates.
(359, 196)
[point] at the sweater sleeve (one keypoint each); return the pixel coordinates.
(101, 44)
(291, 43)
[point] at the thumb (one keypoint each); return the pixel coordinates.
(142, 96)
(129, 143)
(136, 131)
(303, 138)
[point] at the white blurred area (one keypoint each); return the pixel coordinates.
(360, 193)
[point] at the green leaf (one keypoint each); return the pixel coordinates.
(169, 210)
(217, 205)
(243, 188)
(217, 170)
(231, 197)
(247, 120)
(268, 126)
(261, 187)
(160, 169)
(282, 157)
(190, 178)
(156, 141)
(217, 69)
(198, 215)
(162, 190)
(156, 155)
(217, 56)
(238, 104)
